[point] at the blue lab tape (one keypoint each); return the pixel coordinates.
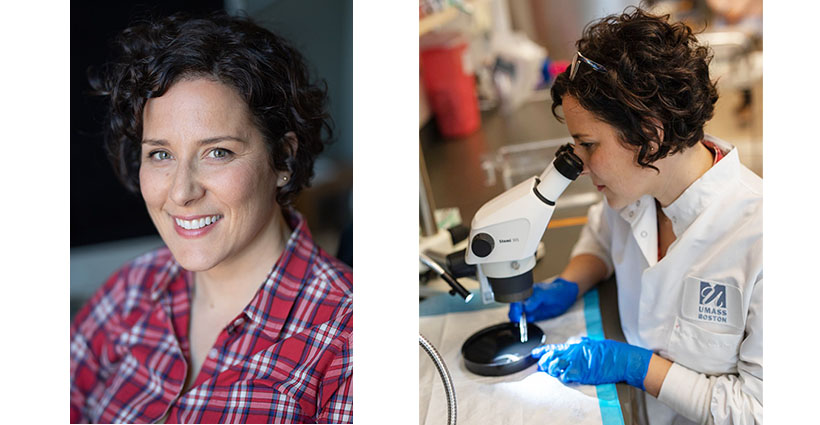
(446, 303)
(611, 413)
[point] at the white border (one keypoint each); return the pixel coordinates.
(34, 188)
(385, 211)
(790, 182)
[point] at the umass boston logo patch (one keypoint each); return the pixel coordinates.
(716, 304)
(712, 305)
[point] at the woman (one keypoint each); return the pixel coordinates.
(242, 317)
(680, 227)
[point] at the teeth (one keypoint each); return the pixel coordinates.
(197, 224)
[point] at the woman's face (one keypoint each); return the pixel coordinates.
(203, 161)
(612, 167)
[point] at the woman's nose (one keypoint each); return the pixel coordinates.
(186, 187)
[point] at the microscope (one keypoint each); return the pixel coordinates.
(505, 232)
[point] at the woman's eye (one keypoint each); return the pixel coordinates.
(159, 155)
(219, 153)
(586, 146)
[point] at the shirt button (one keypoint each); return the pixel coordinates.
(674, 219)
(214, 353)
(638, 204)
(644, 234)
(631, 214)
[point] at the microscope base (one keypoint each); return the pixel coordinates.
(498, 350)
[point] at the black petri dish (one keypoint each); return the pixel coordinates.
(498, 350)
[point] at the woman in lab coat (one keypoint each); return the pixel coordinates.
(680, 226)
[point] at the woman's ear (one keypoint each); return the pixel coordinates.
(654, 145)
(292, 146)
(292, 141)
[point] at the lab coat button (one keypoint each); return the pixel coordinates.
(643, 234)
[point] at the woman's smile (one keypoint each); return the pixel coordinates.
(195, 226)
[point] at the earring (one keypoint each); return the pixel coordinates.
(284, 178)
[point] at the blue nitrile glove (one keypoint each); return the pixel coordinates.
(594, 362)
(547, 300)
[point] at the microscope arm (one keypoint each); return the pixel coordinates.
(505, 231)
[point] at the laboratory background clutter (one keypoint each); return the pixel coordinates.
(485, 125)
(109, 225)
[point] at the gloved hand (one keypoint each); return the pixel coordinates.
(547, 300)
(595, 362)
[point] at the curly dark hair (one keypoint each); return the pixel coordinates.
(657, 78)
(269, 74)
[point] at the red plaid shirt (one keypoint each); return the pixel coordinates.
(286, 358)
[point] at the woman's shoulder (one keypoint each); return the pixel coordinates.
(129, 291)
(752, 183)
(333, 272)
(138, 281)
(744, 200)
(312, 264)
(149, 270)
(325, 288)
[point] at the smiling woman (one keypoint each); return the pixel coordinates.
(241, 317)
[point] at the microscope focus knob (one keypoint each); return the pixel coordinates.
(482, 245)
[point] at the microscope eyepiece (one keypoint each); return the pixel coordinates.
(567, 163)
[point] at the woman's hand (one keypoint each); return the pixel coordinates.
(595, 362)
(547, 300)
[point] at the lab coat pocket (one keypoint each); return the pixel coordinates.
(703, 350)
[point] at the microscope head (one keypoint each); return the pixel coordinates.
(505, 231)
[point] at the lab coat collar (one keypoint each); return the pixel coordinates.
(638, 210)
(705, 190)
(641, 218)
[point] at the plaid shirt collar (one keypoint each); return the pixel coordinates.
(285, 279)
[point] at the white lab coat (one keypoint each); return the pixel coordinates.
(701, 306)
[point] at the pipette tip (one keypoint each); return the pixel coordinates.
(522, 327)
